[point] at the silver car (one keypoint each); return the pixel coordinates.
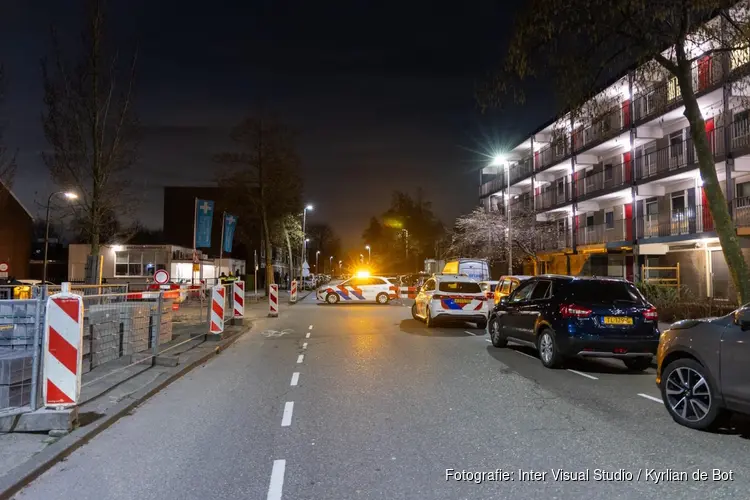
(702, 369)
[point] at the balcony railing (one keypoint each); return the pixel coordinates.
(609, 232)
(553, 153)
(690, 220)
(556, 195)
(742, 211)
(706, 74)
(552, 237)
(493, 186)
(610, 177)
(520, 170)
(601, 128)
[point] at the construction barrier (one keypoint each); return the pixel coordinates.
(63, 340)
(273, 300)
(239, 299)
(293, 292)
(408, 292)
(217, 309)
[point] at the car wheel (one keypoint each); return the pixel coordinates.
(495, 333)
(428, 320)
(547, 347)
(332, 298)
(414, 312)
(690, 395)
(382, 298)
(637, 364)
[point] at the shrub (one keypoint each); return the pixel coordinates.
(673, 306)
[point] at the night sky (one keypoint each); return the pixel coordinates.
(381, 92)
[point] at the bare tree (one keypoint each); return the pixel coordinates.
(90, 123)
(579, 44)
(288, 233)
(265, 171)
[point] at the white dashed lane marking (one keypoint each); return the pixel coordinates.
(286, 418)
(583, 374)
(304, 345)
(295, 378)
(309, 327)
(277, 480)
(652, 398)
(300, 358)
(307, 336)
(467, 331)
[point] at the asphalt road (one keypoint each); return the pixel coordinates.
(381, 408)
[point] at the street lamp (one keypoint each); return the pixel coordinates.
(330, 264)
(317, 254)
(304, 240)
(369, 253)
(340, 267)
(68, 195)
(361, 258)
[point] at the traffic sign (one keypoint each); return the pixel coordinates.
(4, 269)
(161, 276)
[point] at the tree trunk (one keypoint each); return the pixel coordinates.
(717, 202)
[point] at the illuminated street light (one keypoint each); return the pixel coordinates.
(369, 253)
(304, 242)
(317, 254)
(70, 195)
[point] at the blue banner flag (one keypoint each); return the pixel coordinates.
(203, 219)
(230, 222)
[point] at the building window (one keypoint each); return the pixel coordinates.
(609, 219)
(673, 89)
(675, 144)
(740, 57)
(608, 172)
(129, 263)
(743, 190)
(561, 187)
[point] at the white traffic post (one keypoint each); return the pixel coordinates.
(239, 299)
(273, 300)
(293, 292)
(63, 339)
(216, 324)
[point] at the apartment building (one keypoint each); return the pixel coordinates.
(620, 189)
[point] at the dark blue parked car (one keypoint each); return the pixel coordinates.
(564, 316)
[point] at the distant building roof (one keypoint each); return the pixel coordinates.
(10, 191)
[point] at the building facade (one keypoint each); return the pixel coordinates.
(16, 233)
(617, 190)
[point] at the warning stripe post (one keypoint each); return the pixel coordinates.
(63, 340)
(273, 300)
(239, 299)
(216, 324)
(293, 292)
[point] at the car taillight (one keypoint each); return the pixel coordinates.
(651, 314)
(437, 296)
(575, 311)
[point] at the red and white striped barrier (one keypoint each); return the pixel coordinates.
(217, 309)
(273, 300)
(63, 338)
(239, 299)
(293, 292)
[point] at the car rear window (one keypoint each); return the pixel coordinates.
(459, 287)
(603, 292)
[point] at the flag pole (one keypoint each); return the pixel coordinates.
(195, 228)
(221, 250)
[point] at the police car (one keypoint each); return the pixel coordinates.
(451, 297)
(361, 288)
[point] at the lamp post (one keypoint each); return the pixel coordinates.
(317, 254)
(340, 268)
(304, 240)
(361, 259)
(369, 254)
(330, 264)
(500, 161)
(69, 195)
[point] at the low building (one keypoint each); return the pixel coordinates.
(138, 263)
(16, 230)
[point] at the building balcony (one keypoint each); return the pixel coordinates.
(559, 193)
(612, 231)
(687, 221)
(552, 238)
(608, 125)
(492, 186)
(662, 96)
(609, 178)
(553, 153)
(741, 213)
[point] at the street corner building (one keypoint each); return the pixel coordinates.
(16, 231)
(620, 193)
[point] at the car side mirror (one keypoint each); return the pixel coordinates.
(742, 318)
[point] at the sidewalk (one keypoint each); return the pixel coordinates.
(104, 401)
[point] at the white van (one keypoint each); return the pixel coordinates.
(476, 269)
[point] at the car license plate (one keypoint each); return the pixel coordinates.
(462, 301)
(618, 320)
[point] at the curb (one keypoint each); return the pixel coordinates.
(300, 299)
(28, 471)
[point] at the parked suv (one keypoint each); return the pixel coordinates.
(702, 369)
(564, 316)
